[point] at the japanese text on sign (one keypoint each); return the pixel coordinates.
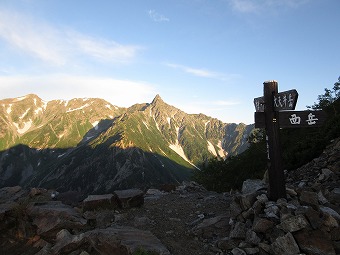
(281, 101)
(284, 101)
(296, 120)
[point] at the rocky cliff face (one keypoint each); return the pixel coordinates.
(93, 146)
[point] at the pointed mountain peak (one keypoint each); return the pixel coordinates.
(157, 99)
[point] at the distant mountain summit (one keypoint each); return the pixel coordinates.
(55, 124)
(91, 145)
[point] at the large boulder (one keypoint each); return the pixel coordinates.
(212, 227)
(130, 198)
(52, 216)
(10, 194)
(120, 240)
(314, 242)
(96, 202)
(251, 186)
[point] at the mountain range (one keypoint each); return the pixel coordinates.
(92, 146)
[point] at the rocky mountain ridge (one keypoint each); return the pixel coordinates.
(40, 124)
(90, 145)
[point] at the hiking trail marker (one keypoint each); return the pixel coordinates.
(274, 111)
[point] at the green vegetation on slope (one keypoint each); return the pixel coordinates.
(223, 176)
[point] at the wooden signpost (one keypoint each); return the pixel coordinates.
(274, 111)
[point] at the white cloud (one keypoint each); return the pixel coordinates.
(251, 6)
(194, 71)
(122, 93)
(244, 5)
(58, 46)
(38, 40)
(155, 16)
(102, 49)
(200, 72)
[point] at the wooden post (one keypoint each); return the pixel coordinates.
(277, 187)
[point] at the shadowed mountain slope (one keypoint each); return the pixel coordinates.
(93, 146)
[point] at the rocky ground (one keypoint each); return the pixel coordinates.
(177, 218)
(185, 220)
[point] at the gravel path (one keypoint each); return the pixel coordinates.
(172, 217)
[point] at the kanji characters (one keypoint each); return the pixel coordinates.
(311, 119)
(284, 101)
(295, 120)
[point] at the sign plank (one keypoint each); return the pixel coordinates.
(285, 100)
(260, 120)
(259, 104)
(294, 119)
(282, 101)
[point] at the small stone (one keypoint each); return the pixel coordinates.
(285, 245)
(247, 200)
(251, 251)
(301, 210)
(327, 173)
(247, 214)
(302, 184)
(271, 210)
(36, 192)
(321, 198)
(314, 218)
(265, 247)
(64, 233)
(331, 222)
(309, 198)
(330, 211)
(285, 213)
(239, 231)
(252, 238)
(281, 202)
(322, 177)
(293, 224)
(238, 251)
(257, 207)
(262, 198)
(227, 244)
(334, 196)
(84, 253)
(291, 192)
(243, 245)
(235, 209)
(142, 221)
(262, 225)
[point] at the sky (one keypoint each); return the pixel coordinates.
(202, 56)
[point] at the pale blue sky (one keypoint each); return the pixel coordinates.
(202, 56)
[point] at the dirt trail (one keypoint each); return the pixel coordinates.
(172, 217)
